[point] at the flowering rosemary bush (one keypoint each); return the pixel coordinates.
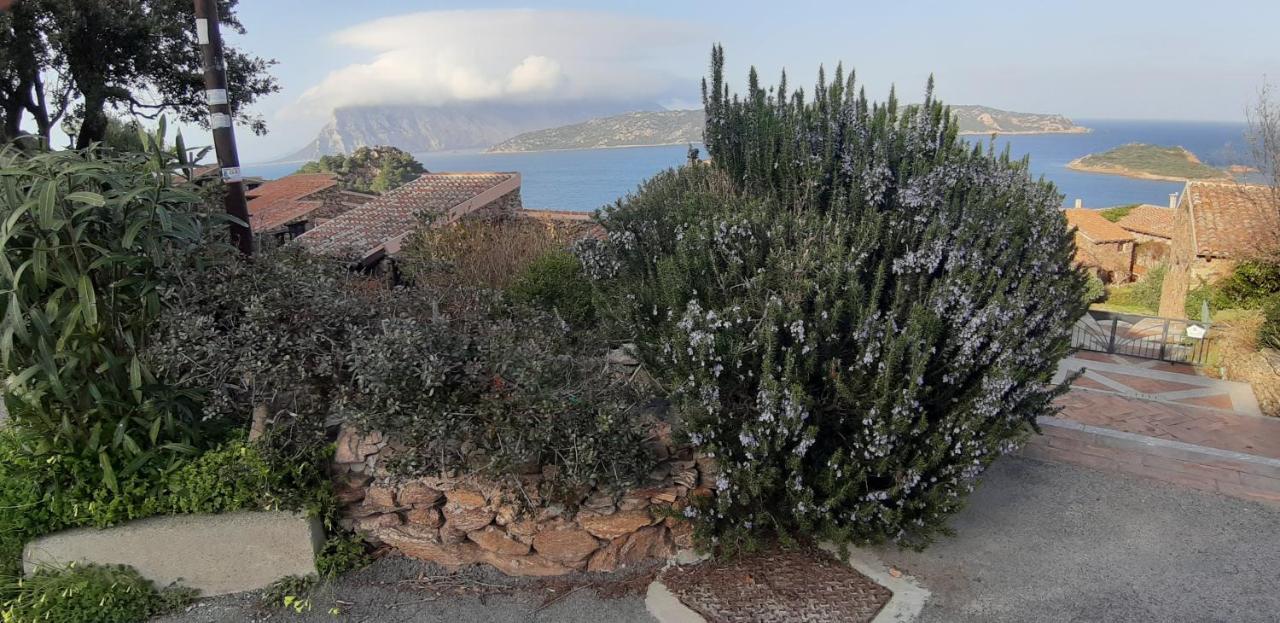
(855, 313)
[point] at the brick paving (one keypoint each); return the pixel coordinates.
(1165, 422)
(1150, 380)
(1248, 434)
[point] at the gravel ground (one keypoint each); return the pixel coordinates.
(1038, 542)
(401, 590)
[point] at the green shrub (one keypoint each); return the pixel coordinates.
(1251, 284)
(90, 594)
(492, 395)
(341, 553)
(43, 493)
(84, 237)
(555, 282)
(1147, 291)
(467, 383)
(1269, 333)
(855, 312)
(1095, 291)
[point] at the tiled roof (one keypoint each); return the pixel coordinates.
(279, 201)
(366, 229)
(1149, 219)
(1093, 226)
(1231, 220)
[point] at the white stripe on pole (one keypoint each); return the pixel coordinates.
(202, 31)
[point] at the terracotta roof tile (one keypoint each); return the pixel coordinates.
(1094, 227)
(1149, 219)
(366, 229)
(1231, 220)
(279, 201)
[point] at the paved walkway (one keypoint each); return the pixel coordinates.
(1167, 401)
(1148, 379)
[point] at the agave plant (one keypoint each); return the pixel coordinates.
(86, 235)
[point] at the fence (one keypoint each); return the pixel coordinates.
(1150, 337)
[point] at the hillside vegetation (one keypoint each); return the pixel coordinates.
(667, 127)
(369, 169)
(679, 127)
(1153, 162)
(987, 120)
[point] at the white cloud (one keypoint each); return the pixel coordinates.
(438, 57)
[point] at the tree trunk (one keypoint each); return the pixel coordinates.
(93, 128)
(11, 121)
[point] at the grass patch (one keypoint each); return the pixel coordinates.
(1118, 212)
(91, 594)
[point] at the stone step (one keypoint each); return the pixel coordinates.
(214, 554)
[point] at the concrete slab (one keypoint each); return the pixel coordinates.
(215, 554)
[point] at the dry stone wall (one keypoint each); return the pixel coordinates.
(524, 525)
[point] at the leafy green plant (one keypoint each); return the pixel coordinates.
(84, 237)
(369, 169)
(90, 594)
(493, 394)
(41, 494)
(555, 282)
(1095, 291)
(341, 553)
(855, 311)
(1252, 284)
(292, 592)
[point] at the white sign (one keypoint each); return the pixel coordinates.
(202, 31)
(231, 175)
(216, 96)
(1195, 331)
(219, 120)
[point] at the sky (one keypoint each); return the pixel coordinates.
(1119, 59)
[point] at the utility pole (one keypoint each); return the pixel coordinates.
(224, 137)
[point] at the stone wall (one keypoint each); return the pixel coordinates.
(1113, 261)
(521, 526)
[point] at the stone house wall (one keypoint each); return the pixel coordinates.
(1113, 260)
(1149, 253)
(463, 520)
(506, 206)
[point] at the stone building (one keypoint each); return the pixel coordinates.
(1101, 245)
(1217, 224)
(376, 230)
(1152, 230)
(293, 204)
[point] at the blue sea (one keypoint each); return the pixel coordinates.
(588, 179)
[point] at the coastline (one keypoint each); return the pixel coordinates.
(1077, 165)
(1075, 130)
(536, 151)
(1078, 130)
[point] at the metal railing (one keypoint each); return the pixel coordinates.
(1150, 337)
